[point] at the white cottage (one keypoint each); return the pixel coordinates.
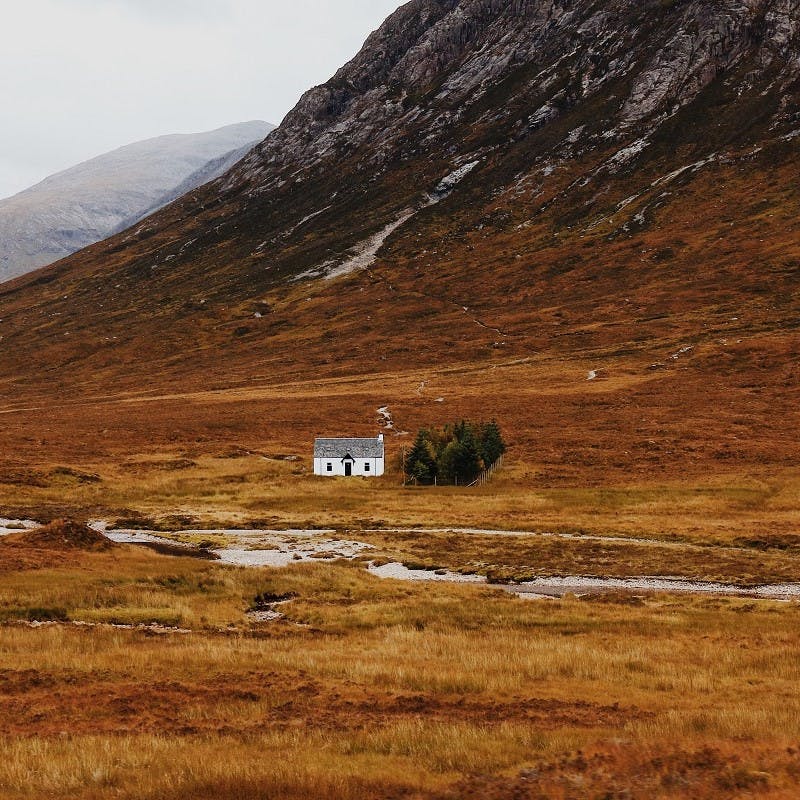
(364, 458)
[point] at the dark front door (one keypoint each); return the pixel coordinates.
(348, 469)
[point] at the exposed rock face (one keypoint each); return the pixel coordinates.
(89, 202)
(515, 156)
(432, 62)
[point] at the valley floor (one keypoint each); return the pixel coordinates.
(191, 678)
(370, 688)
(667, 454)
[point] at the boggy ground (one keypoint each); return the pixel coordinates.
(667, 453)
(378, 689)
(371, 689)
(519, 558)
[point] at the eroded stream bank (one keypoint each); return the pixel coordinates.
(277, 549)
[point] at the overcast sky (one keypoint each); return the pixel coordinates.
(81, 77)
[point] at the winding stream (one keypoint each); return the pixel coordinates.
(259, 548)
(277, 549)
(255, 548)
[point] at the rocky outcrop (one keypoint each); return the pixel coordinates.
(712, 39)
(433, 60)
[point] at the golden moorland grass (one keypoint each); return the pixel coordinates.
(664, 454)
(378, 689)
(371, 689)
(740, 540)
(168, 490)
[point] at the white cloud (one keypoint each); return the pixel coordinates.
(81, 77)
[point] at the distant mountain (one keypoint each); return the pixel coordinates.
(89, 202)
(210, 170)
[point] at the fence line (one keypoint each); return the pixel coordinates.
(482, 479)
(487, 474)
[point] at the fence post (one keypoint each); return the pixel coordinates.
(486, 475)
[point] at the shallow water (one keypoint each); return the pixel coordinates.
(142, 537)
(325, 551)
(8, 526)
(402, 573)
(260, 548)
(579, 585)
(277, 549)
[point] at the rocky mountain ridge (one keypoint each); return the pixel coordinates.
(91, 201)
(454, 54)
(447, 84)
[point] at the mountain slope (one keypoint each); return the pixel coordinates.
(505, 191)
(90, 201)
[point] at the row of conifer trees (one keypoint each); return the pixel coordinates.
(454, 454)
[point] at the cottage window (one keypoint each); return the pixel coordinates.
(366, 467)
(330, 467)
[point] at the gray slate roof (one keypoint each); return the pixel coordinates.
(357, 448)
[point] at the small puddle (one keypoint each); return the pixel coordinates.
(402, 573)
(268, 612)
(9, 526)
(264, 616)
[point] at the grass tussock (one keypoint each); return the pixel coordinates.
(372, 688)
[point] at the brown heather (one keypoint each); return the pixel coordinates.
(381, 689)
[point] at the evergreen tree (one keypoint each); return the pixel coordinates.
(460, 461)
(439, 438)
(456, 453)
(420, 462)
(491, 443)
(457, 430)
(448, 462)
(469, 462)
